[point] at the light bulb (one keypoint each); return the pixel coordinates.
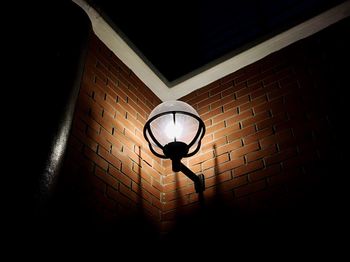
(173, 130)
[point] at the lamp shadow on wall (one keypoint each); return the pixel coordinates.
(207, 216)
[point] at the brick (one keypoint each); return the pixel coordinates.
(267, 172)
(196, 169)
(223, 116)
(110, 139)
(238, 89)
(241, 78)
(107, 107)
(217, 179)
(241, 133)
(126, 141)
(120, 176)
(228, 79)
(135, 194)
(211, 113)
(272, 121)
(85, 102)
(274, 105)
(141, 172)
(276, 138)
(84, 139)
(169, 178)
(219, 89)
(230, 165)
(112, 92)
(257, 136)
(105, 122)
(280, 156)
(157, 185)
(132, 155)
(280, 123)
(132, 174)
(209, 172)
(107, 178)
(135, 139)
(158, 167)
(259, 77)
(147, 172)
(209, 100)
(125, 123)
(215, 128)
(215, 161)
(203, 110)
(208, 123)
(249, 89)
(99, 74)
(213, 144)
(143, 155)
(152, 190)
(250, 188)
(229, 91)
(138, 109)
(256, 119)
(238, 118)
(244, 150)
(119, 154)
(278, 93)
(92, 124)
(125, 109)
(200, 158)
(248, 106)
(198, 98)
(242, 170)
(226, 148)
(225, 131)
(261, 153)
(260, 92)
(99, 139)
(181, 192)
(236, 103)
(234, 183)
(180, 181)
(95, 158)
(222, 102)
(157, 203)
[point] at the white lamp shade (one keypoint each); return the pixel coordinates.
(174, 121)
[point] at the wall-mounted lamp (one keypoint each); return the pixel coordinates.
(174, 130)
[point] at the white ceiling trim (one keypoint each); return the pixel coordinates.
(120, 48)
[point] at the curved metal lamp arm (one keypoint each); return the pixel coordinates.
(199, 183)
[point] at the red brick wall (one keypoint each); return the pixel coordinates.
(272, 130)
(114, 172)
(269, 138)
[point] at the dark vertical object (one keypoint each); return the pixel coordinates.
(61, 40)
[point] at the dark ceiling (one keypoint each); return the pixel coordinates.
(180, 38)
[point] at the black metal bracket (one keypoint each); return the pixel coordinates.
(199, 182)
